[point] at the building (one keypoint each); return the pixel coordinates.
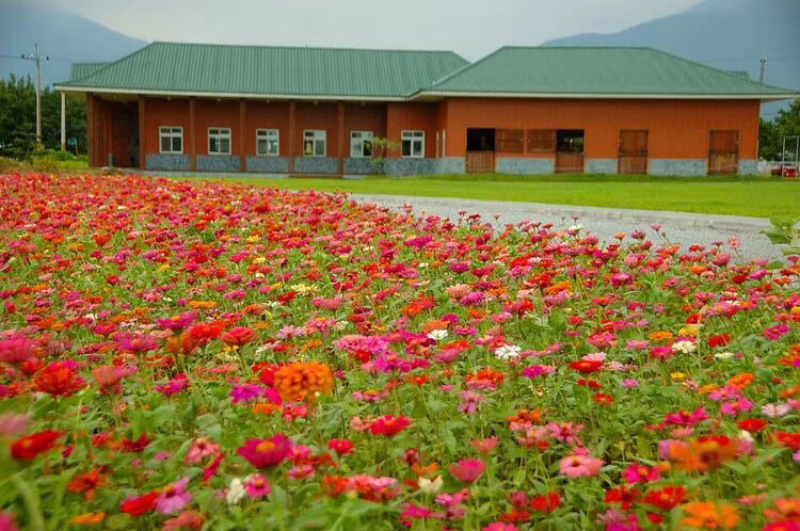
(520, 110)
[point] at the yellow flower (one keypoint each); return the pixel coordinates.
(689, 331)
(164, 267)
(678, 377)
(253, 239)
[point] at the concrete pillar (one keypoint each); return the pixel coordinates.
(63, 121)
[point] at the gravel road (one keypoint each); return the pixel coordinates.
(683, 228)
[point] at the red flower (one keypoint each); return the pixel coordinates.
(753, 425)
(59, 379)
(623, 496)
(239, 336)
(547, 503)
(591, 384)
(665, 499)
(789, 440)
(603, 399)
(468, 470)
(719, 341)
(586, 366)
(135, 446)
(341, 447)
(211, 470)
(141, 505)
(27, 448)
(389, 426)
(87, 484)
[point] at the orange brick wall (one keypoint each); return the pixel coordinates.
(165, 113)
(413, 116)
(262, 115)
(211, 113)
(678, 129)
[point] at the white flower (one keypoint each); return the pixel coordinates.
(776, 410)
(684, 347)
(437, 335)
(340, 325)
(575, 228)
(236, 491)
(430, 486)
(507, 352)
(724, 355)
(745, 436)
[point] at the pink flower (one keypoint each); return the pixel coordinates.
(256, 486)
(630, 383)
(468, 470)
(732, 409)
(535, 371)
(265, 453)
(470, 402)
(499, 526)
(580, 466)
(16, 350)
(640, 474)
(682, 418)
(485, 446)
(174, 497)
(201, 448)
(565, 432)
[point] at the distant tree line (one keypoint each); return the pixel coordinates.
(18, 119)
(772, 133)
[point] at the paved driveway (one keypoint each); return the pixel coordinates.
(683, 228)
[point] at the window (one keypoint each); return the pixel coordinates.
(315, 143)
(219, 141)
(268, 142)
(510, 141)
(413, 144)
(171, 140)
(360, 144)
(541, 141)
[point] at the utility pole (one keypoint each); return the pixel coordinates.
(36, 58)
(763, 68)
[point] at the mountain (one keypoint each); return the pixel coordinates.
(725, 34)
(63, 36)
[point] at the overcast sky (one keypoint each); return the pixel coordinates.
(469, 27)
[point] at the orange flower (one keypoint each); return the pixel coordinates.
(206, 305)
(707, 453)
(741, 381)
(558, 287)
(87, 484)
(301, 381)
(89, 519)
(704, 515)
(661, 337)
(430, 326)
(266, 409)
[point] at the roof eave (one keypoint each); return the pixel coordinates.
(230, 95)
(600, 95)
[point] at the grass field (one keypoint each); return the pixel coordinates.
(755, 197)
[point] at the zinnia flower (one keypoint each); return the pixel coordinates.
(577, 466)
(239, 336)
(174, 497)
(468, 470)
(389, 426)
(704, 515)
(265, 453)
(28, 448)
(301, 381)
(59, 379)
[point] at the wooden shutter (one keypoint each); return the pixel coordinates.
(509, 140)
(541, 141)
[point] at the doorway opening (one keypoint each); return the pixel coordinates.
(569, 150)
(480, 150)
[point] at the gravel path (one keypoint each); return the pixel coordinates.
(683, 228)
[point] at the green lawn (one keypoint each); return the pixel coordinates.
(743, 196)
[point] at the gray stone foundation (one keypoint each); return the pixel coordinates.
(360, 166)
(168, 162)
(315, 165)
(409, 167)
(601, 166)
(525, 166)
(222, 163)
(682, 168)
(267, 164)
(748, 167)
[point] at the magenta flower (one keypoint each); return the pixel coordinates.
(137, 344)
(174, 497)
(468, 470)
(178, 323)
(256, 486)
(470, 402)
(565, 432)
(736, 407)
(17, 349)
(682, 418)
(640, 474)
(265, 453)
(538, 370)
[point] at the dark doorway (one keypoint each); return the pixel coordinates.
(569, 150)
(480, 150)
(125, 135)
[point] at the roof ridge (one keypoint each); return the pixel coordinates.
(463, 68)
(295, 47)
(107, 65)
(583, 47)
(720, 71)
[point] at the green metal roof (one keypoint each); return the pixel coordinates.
(81, 70)
(270, 71)
(597, 72)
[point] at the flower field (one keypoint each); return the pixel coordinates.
(185, 355)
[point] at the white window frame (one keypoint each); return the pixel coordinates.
(414, 137)
(222, 133)
(317, 135)
(168, 131)
(268, 134)
(357, 140)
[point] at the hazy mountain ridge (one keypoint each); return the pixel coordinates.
(726, 34)
(63, 36)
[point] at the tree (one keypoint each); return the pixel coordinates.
(18, 118)
(771, 134)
